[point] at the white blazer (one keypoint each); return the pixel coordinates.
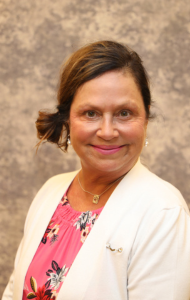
(145, 216)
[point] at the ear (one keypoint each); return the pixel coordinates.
(67, 124)
(146, 122)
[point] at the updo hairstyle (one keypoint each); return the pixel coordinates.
(83, 65)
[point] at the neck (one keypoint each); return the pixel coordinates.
(97, 181)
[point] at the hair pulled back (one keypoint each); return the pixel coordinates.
(83, 65)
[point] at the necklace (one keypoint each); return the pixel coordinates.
(97, 197)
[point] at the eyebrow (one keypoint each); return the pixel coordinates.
(130, 103)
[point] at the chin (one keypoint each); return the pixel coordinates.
(107, 167)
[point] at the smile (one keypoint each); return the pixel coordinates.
(107, 150)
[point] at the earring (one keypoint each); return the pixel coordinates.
(146, 142)
(68, 140)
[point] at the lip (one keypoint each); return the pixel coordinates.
(107, 150)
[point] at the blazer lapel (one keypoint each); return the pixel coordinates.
(86, 261)
(33, 238)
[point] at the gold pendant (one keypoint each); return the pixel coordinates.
(96, 199)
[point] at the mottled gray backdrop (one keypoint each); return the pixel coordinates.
(36, 36)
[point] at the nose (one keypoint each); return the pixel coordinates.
(107, 129)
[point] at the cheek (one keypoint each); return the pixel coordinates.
(80, 131)
(135, 131)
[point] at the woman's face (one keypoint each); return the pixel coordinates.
(108, 123)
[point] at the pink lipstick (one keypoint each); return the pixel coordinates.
(107, 150)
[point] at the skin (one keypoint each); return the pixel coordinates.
(107, 130)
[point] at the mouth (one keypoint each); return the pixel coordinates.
(107, 150)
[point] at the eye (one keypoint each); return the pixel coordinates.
(90, 114)
(124, 113)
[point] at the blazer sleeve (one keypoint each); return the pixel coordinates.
(160, 261)
(8, 293)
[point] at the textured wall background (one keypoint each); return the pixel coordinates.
(35, 38)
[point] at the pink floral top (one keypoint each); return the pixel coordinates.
(64, 236)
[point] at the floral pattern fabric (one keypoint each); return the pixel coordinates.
(62, 240)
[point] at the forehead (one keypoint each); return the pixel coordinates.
(114, 87)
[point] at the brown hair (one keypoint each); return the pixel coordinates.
(83, 65)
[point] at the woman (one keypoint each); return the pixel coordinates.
(112, 230)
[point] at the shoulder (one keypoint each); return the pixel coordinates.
(60, 178)
(54, 183)
(164, 193)
(157, 191)
(54, 186)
